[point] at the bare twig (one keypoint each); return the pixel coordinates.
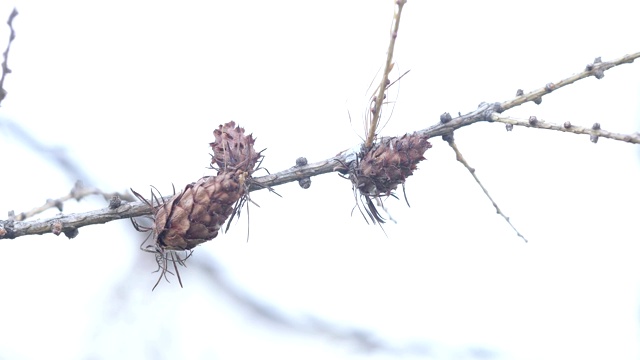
(486, 111)
(384, 83)
(10, 229)
(596, 69)
(5, 54)
(594, 131)
(77, 192)
(449, 139)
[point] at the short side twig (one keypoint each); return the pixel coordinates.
(594, 131)
(595, 69)
(78, 192)
(486, 111)
(449, 139)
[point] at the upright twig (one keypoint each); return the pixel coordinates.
(5, 54)
(384, 83)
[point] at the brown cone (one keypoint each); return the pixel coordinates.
(233, 150)
(198, 212)
(389, 163)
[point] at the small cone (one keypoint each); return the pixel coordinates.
(386, 165)
(198, 212)
(389, 163)
(233, 150)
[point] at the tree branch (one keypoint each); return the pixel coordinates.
(11, 228)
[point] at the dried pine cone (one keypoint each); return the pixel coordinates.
(192, 217)
(389, 163)
(386, 165)
(196, 214)
(233, 150)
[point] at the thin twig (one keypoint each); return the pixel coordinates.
(5, 54)
(460, 158)
(594, 131)
(595, 69)
(385, 76)
(486, 111)
(78, 192)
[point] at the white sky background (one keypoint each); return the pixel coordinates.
(133, 90)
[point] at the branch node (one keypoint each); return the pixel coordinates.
(594, 138)
(497, 107)
(57, 203)
(537, 100)
(550, 87)
(567, 125)
(76, 190)
(596, 126)
(301, 161)
(520, 92)
(304, 183)
(445, 118)
(598, 73)
(56, 227)
(533, 120)
(115, 202)
(71, 232)
(509, 127)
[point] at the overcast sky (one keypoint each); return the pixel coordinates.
(131, 91)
